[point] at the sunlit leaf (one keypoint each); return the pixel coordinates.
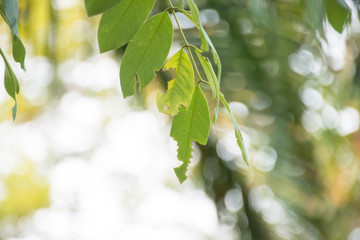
(238, 135)
(188, 127)
(146, 53)
(94, 7)
(337, 13)
(180, 89)
(10, 12)
(119, 24)
(11, 83)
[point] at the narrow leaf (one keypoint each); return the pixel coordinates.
(11, 83)
(10, 12)
(238, 135)
(180, 89)
(94, 7)
(205, 43)
(188, 127)
(194, 10)
(119, 24)
(146, 53)
(210, 75)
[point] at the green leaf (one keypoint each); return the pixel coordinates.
(205, 43)
(119, 24)
(194, 10)
(210, 75)
(11, 83)
(180, 89)
(180, 4)
(188, 127)
(337, 13)
(10, 12)
(238, 135)
(94, 7)
(146, 53)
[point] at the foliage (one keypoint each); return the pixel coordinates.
(10, 12)
(313, 178)
(149, 43)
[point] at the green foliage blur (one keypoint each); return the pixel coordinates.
(291, 75)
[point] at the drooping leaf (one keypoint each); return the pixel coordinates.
(194, 10)
(180, 89)
(337, 13)
(11, 83)
(205, 39)
(210, 76)
(238, 135)
(146, 53)
(120, 23)
(205, 43)
(10, 12)
(188, 127)
(94, 7)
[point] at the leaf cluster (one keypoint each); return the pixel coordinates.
(149, 41)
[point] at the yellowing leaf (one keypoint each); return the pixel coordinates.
(180, 89)
(146, 53)
(119, 24)
(188, 127)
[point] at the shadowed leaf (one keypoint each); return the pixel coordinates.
(146, 53)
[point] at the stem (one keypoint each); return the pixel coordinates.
(187, 45)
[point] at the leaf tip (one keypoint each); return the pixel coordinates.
(181, 173)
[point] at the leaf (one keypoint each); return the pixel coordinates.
(205, 43)
(194, 10)
(210, 75)
(94, 7)
(180, 4)
(180, 89)
(11, 83)
(188, 127)
(337, 13)
(146, 53)
(10, 12)
(120, 23)
(238, 135)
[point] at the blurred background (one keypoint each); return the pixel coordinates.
(81, 162)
